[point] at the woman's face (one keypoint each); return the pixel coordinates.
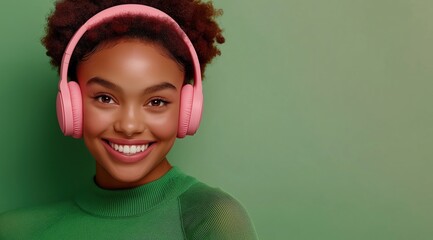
(131, 100)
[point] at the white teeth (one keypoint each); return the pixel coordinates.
(129, 149)
(126, 149)
(133, 149)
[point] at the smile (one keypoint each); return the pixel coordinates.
(129, 149)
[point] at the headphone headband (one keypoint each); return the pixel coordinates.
(119, 10)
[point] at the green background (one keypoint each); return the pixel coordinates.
(318, 117)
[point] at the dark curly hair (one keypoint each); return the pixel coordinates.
(197, 20)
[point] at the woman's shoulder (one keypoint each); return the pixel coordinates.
(24, 222)
(201, 194)
(211, 213)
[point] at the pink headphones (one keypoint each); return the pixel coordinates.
(69, 102)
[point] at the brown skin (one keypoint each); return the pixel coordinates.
(128, 111)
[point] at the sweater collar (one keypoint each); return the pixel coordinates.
(134, 201)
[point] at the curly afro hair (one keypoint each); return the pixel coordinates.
(197, 20)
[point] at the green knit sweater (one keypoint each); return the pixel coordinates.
(175, 206)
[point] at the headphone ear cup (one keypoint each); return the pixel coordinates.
(186, 101)
(63, 108)
(196, 112)
(77, 109)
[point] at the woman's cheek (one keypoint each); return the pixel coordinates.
(163, 126)
(96, 121)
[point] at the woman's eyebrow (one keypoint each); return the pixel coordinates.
(104, 83)
(159, 87)
(114, 87)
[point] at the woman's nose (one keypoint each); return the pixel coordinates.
(130, 122)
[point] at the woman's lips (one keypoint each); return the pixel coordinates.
(128, 149)
(141, 150)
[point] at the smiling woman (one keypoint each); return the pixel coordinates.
(141, 106)
(129, 98)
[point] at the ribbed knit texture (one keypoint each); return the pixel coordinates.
(135, 201)
(175, 206)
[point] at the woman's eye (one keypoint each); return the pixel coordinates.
(157, 103)
(105, 99)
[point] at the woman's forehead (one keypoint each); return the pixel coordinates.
(129, 61)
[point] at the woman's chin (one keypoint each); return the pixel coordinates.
(127, 176)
